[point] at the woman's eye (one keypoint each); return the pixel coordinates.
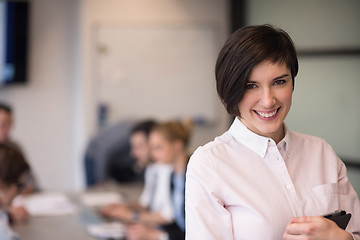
(279, 82)
(250, 86)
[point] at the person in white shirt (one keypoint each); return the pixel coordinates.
(13, 174)
(168, 143)
(259, 180)
(154, 206)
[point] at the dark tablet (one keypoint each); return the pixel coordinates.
(340, 217)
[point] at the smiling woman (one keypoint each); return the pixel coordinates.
(259, 180)
(267, 100)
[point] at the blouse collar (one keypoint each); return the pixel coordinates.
(255, 142)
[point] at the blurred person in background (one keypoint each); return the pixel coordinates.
(154, 205)
(140, 149)
(107, 157)
(168, 142)
(17, 214)
(118, 153)
(13, 173)
(6, 124)
(6, 121)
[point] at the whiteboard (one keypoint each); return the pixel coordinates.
(158, 71)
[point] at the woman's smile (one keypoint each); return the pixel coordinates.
(267, 115)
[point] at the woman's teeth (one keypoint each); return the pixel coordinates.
(267, 115)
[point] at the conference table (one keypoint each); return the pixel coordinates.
(74, 226)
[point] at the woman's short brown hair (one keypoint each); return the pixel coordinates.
(174, 130)
(12, 164)
(247, 47)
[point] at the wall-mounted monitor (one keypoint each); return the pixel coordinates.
(14, 31)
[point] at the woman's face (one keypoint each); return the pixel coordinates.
(162, 150)
(267, 100)
(140, 149)
(5, 125)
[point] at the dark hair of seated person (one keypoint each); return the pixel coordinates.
(13, 164)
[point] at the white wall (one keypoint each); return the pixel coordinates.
(43, 106)
(56, 110)
(320, 24)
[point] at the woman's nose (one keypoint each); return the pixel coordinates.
(268, 98)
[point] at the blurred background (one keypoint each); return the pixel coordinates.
(91, 64)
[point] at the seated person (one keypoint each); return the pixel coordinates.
(6, 122)
(16, 213)
(13, 174)
(154, 206)
(139, 146)
(6, 126)
(109, 155)
(168, 142)
(109, 152)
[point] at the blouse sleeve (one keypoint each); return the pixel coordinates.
(145, 196)
(349, 201)
(205, 214)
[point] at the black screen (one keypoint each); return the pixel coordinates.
(14, 27)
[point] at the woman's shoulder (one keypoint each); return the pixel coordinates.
(305, 137)
(206, 153)
(308, 140)
(218, 142)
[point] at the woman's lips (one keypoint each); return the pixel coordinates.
(267, 114)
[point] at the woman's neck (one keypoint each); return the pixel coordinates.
(180, 163)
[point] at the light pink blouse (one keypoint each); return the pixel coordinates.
(244, 186)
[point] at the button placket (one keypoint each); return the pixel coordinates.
(285, 178)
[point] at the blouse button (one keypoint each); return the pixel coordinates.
(288, 186)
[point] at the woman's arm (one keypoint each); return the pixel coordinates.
(149, 218)
(127, 214)
(206, 216)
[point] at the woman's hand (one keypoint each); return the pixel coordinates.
(117, 211)
(18, 214)
(141, 232)
(318, 228)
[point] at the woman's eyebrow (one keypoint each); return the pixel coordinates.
(282, 76)
(277, 78)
